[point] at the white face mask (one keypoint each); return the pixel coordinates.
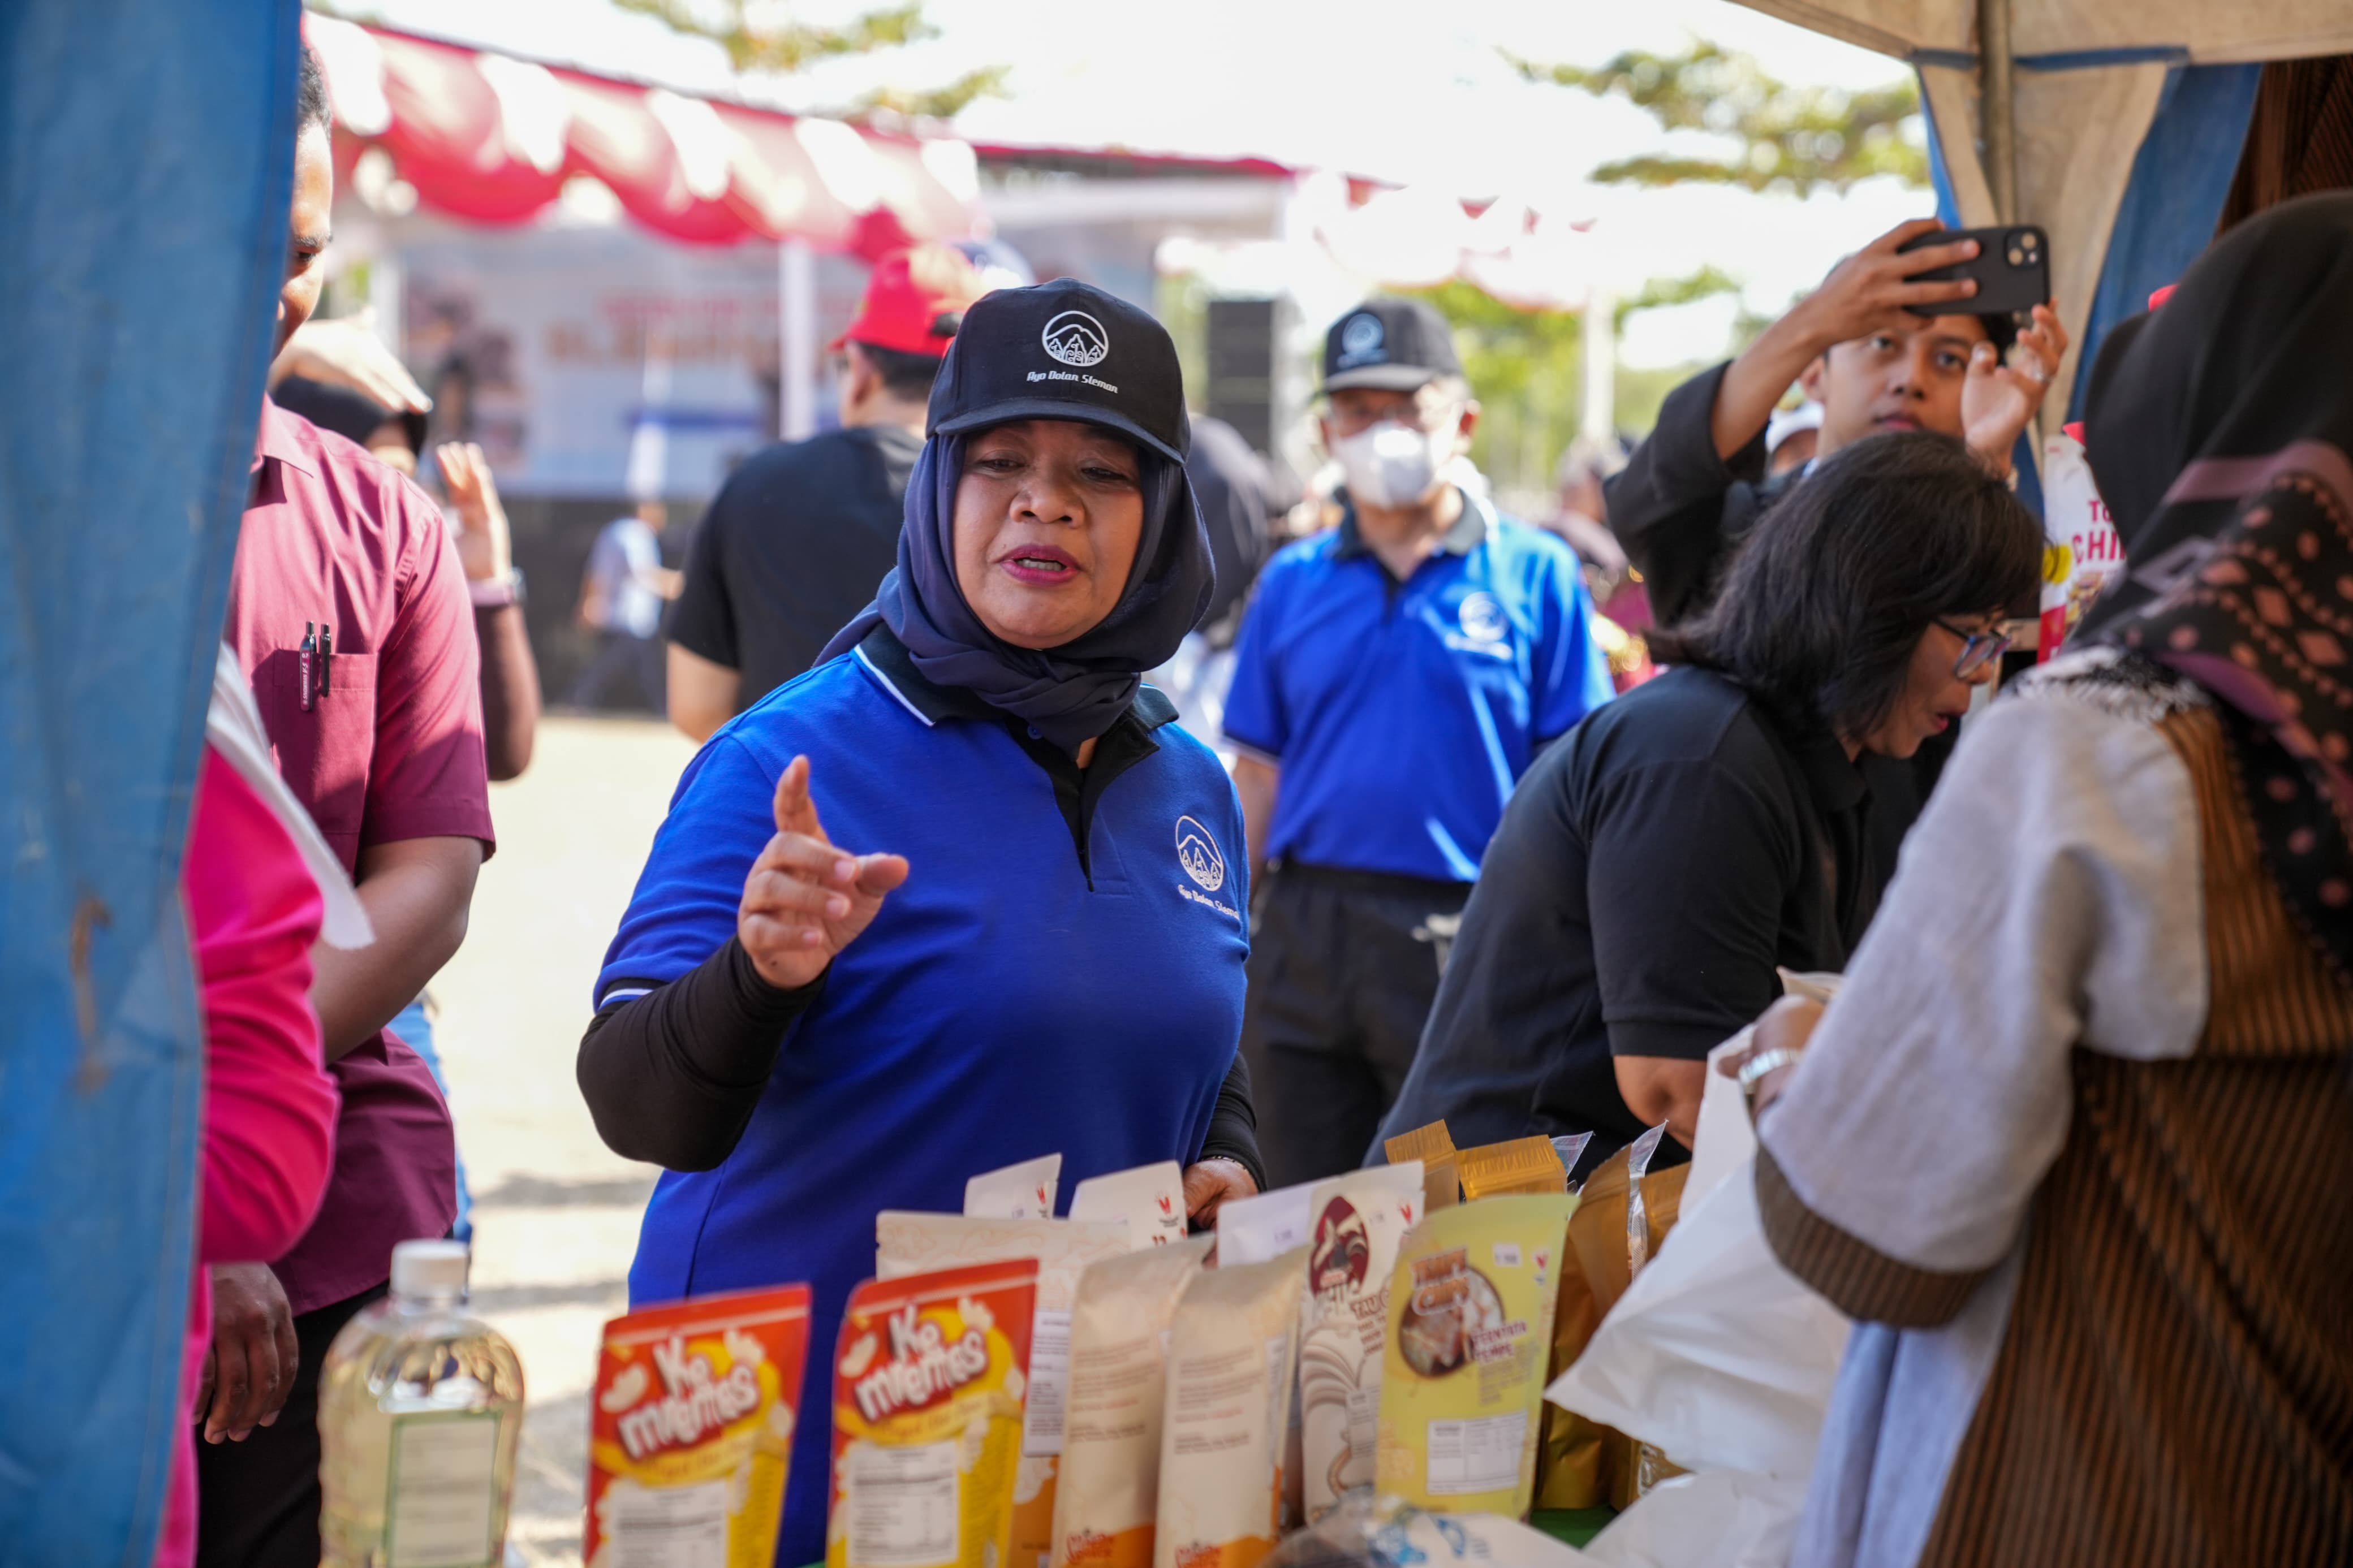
(1392, 465)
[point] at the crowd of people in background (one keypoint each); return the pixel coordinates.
(1518, 825)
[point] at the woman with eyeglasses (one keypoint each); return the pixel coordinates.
(1663, 859)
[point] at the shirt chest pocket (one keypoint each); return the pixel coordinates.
(325, 751)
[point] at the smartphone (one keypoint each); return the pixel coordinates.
(2012, 269)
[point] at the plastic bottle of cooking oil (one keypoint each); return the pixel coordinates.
(420, 1407)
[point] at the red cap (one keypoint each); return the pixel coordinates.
(2162, 295)
(915, 300)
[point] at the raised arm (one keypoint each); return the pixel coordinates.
(672, 1069)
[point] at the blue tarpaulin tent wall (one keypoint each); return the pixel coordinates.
(146, 158)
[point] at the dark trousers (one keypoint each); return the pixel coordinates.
(618, 653)
(1342, 969)
(258, 1501)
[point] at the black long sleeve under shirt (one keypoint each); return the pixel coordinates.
(673, 1076)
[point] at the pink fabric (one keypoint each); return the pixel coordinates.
(269, 1107)
(391, 749)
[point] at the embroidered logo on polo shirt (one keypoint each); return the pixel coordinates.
(1197, 853)
(1075, 338)
(1482, 617)
(1361, 343)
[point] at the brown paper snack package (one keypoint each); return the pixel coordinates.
(1107, 1496)
(1523, 1165)
(1234, 1352)
(1434, 1147)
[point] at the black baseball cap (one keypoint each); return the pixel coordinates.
(1389, 345)
(1063, 350)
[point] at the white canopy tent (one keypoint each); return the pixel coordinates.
(2113, 124)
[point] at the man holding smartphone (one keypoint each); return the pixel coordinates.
(1698, 482)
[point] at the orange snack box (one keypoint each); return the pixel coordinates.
(931, 1376)
(691, 1426)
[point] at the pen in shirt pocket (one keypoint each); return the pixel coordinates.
(304, 656)
(326, 658)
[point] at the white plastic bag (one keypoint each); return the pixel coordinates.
(1717, 1354)
(1726, 1139)
(1720, 1518)
(1365, 1532)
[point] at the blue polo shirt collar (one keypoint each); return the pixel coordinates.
(1468, 532)
(887, 660)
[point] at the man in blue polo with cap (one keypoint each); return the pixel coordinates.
(1395, 677)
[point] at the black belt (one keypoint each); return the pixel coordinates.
(1341, 879)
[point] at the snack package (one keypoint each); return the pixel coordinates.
(1434, 1147)
(1470, 1324)
(1520, 1165)
(2083, 552)
(928, 1376)
(1601, 1241)
(1230, 1354)
(1025, 1191)
(690, 1427)
(1253, 1230)
(925, 1243)
(1569, 1147)
(1107, 1496)
(1150, 1198)
(1360, 1218)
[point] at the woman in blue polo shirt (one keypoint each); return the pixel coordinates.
(962, 894)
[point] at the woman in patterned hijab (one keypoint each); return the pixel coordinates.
(2221, 436)
(2073, 1145)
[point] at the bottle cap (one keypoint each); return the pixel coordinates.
(429, 1269)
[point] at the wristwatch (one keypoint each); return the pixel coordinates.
(496, 592)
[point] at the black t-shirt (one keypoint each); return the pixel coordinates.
(792, 547)
(1653, 869)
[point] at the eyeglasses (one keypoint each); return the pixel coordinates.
(1977, 648)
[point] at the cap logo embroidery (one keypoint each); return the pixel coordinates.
(1075, 338)
(1482, 617)
(1197, 853)
(1363, 340)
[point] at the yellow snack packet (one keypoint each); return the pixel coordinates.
(1434, 1147)
(691, 1426)
(907, 1243)
(1469, 1321)
(1520, 1165)
(930, 1375)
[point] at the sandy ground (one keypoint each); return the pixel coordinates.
(556, 1213)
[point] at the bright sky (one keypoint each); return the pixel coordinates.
(1408, 93)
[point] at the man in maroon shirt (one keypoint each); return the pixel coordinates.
(350, 613)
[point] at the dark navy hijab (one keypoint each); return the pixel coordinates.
(1078, 690)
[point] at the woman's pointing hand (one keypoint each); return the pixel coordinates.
(805, 901)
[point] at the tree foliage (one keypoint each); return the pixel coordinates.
(1788, 137)
(1523, 366)
(757, 35)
